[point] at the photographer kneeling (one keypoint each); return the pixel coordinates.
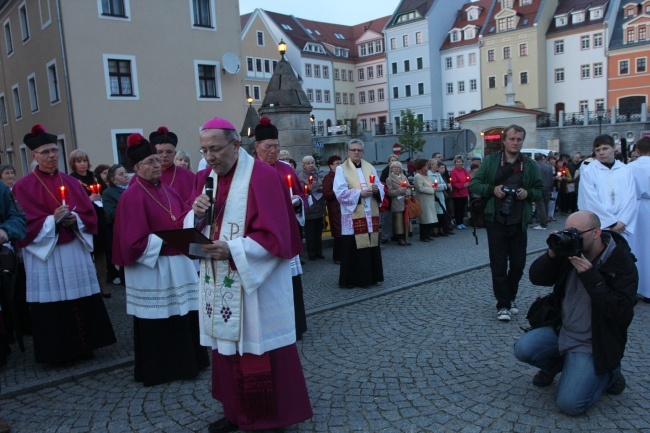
(594, 281)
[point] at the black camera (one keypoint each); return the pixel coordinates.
(511, 194)
(567, 243)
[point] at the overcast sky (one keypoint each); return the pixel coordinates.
(348, 12)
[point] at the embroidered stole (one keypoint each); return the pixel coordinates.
(363, 237)
(220, 294)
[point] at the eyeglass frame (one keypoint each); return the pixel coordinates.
(151, 162)
(53, 151)
(214, 150)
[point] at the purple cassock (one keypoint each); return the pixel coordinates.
(271, 222)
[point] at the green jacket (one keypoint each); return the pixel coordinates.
(483, 185)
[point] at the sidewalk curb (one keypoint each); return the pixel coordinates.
(127, 361)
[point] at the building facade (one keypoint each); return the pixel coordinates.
(93, 85)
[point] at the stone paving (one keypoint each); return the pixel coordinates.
(422, 352)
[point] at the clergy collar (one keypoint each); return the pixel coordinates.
(56, 170)
(356, 165)
(609, 165)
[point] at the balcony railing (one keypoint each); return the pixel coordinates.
(428, 126)
(549, 120)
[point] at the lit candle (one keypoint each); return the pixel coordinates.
(372, 178)
(306, 190)
(404, 184)
(62, 190)
(435, 183)
(468, 178)
(289, 185)
(311, 180)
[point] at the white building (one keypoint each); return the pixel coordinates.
(576, 47)
(413, 37)
(461, 63)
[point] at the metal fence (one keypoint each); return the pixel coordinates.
(549, 120)
(427, 126)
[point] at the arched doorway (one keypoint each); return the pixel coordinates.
(492, 140)
(559, 107)
(630, 105)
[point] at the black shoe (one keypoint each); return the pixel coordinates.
(222, 426)
(618, 387)
(543, 379)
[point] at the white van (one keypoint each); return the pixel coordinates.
(529, 152)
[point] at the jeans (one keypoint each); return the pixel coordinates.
(506, 244)
(579, 387)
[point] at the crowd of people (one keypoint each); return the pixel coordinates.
(240, 293)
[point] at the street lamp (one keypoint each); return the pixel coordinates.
(249, 100)
(312, 119)
(600, 112)
(282, 47)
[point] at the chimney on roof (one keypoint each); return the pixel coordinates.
(365, 28)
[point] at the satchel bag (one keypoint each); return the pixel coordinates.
(544, 312)
(414, 207)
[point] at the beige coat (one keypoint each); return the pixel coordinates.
(396, 197)
(425, 193)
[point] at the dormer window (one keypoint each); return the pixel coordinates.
(595, 14)
(630, 35)
(561, 21)
(469, 33)
(286, 27)
(337, 51)
(455, 36)
(630, 11)
(578, 17)
(525, 2)
(507, 4)
(647, 9)
(472, 13)
(505, 24)
(339, 36)
(408, 16)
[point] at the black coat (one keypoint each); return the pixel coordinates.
(612, 288)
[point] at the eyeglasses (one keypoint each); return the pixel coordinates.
(355, 150)
(214, 150)
(270, 146)
(46, 152)
(587, 231)
(155, 161)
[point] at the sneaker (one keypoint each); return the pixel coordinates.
(117, 281)
(459, 227)
(513, 308)
(543, 379)
(539, 228)
(618, 387)
(503, 315)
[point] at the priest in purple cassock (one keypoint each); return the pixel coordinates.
(180, 179)
(69, 319)
(161, 283)
(267, 148)
(246, 297)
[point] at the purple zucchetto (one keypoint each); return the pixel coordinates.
(218, 123)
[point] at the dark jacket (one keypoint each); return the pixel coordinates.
(612, 288)
(483, 185)
(12, 218)
(110, 197)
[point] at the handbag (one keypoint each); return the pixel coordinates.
(544, 312)
(570, 187)
(414, 207)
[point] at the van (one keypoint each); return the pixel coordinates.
(530, 152)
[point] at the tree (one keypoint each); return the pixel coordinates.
(410, 126)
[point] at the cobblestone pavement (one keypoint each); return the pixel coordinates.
(427, 356)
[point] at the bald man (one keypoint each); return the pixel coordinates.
(595, 292)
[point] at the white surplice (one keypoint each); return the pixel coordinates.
(610, 194)
(640, 242)
(349, 198)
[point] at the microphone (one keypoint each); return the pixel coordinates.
(209, 191)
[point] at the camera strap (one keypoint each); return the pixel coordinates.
(505, 171)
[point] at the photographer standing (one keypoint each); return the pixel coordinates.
(511, 183)
(594, 283)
